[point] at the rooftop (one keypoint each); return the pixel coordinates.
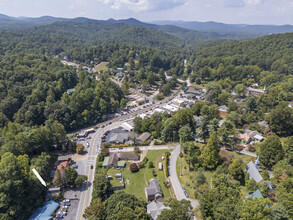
(144, 136)
(253, 172)
(256, 194)
(155, 208)
(44, 213)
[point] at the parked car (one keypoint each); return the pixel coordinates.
(64, 207)
(67, 204)
(66, 200)
(81, 139)
(184, 189)
(87, 144)
(74, 166)
(92, 166)
(186, 195)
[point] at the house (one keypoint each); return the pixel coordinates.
(290, 105)
(252, 170)
(197, 120)
(238, 101)
(115, 160)
(249, 136)
(119, 75)
(70, 91)
(144, 137)
(153, 191)
(119, 70)
(45, 212)
(264, 125)
(256, 194)
(64, 158)
(53, 191)
(155, 208)
(252, 91)
(127, 126)
(118, 138)
(223, 109)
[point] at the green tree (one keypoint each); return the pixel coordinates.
(95, 210)
(80, 179)
(279, 213)
(179, 210)
(79, 148)
(204, 128)
(255, 209)
(185, 134)
(235, 169)
(271, 151)
(125, 87)
(101, 186)
(239, 89)
(71, 175)
(210, 154)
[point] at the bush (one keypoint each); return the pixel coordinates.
(146, 143)
(140, 165)
(145, 160)
(167, 154)
(251, 148)
(133, 167)
(136, 150)
(158, 142)
(238, 147)
(107, 145)
(79, 148)
(151, 164)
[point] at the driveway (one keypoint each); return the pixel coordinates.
(174, 178)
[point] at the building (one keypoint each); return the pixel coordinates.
(252, 91)
(45, 212)
(53, 191)
(64, 158)
(118, 138)
(144, 137)
(223, 109)
(127, 126)
(118, 159)
(155, 208)
(197, 120)
(119, 75)
(252, 170)
(256, 194)
(249, 136)
(153, 191)
(160, 166)
(70, 91)
(264, 125)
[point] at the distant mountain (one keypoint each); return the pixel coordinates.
(221, 30)
(179, 35)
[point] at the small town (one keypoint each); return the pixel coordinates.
(146, 110)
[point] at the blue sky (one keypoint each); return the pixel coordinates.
(226, 11)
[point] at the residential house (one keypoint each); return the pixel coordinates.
(155, 208)
(144, 137)
(252, 170)
(115, 160)
(70, 91)
(264, 125)
(153, 191)
(119, 75)
(64, 158)
(256, 194)
(118, 138)
(197, 120)
(249, 136)
(53, 191)
(254, 92)
(45, 212)
(223, 109)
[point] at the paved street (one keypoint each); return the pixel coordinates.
(174, 178)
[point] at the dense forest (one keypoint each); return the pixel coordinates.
(36, 111)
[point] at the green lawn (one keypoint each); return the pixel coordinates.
(186, 177)
(138, 181)
(101, 66)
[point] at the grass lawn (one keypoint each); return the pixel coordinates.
(186, 177)
(101, 66)
(138, 181)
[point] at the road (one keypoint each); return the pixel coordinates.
(174, 178)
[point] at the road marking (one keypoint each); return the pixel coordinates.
(88, 178)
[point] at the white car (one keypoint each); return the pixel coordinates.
(66, 200)
(87, 144)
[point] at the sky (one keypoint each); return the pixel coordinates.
(227, 11)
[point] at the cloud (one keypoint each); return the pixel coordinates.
(241, 3)
(144, 5)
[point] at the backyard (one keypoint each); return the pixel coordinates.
(139, 180)
(101, 66)
(186, 177)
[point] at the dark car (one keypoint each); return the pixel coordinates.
(92, 166)
(184, 189)
(186, 195)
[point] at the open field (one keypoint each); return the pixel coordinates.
(101, 66)
(138, 181)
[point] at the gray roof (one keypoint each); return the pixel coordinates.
(253, 172)
(256, 194)
(154, 188)
(119, 138)
(255, 90)
(223, 108)
(155, 208)
(64, 158)
(144, 136)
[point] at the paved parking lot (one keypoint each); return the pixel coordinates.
(74, 196)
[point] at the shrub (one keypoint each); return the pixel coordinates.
(107, 145)
(133, 167)
(151, 164)
(79, 148)
(154, 173)
(79, 180)
(158, 142)
(140, 164)
(251, 148)
(136, 150)
(238, 147)
(167, 154)
(145, 160)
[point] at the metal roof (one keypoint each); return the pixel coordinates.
(44, 213)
